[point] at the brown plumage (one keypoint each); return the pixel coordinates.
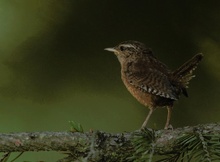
(149, 80)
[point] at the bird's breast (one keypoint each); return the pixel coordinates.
(142, 96)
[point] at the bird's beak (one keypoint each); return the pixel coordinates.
(111, 49)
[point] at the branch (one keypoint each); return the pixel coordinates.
(96, 146)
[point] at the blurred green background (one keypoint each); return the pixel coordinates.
(54, 69)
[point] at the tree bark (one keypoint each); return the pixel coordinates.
(100, 145)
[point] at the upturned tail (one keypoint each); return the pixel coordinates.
(185, 72)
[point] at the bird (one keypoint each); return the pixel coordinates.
(149, 80)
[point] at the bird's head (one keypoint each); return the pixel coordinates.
(130, 50)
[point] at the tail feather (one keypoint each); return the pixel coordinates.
(185, 72)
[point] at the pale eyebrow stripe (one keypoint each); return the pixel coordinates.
(128, 45)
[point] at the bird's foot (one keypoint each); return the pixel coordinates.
(169, 127)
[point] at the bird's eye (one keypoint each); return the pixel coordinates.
(122, 48)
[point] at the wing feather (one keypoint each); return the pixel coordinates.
(153, 81)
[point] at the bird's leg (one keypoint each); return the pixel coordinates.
(169, 110)
(147, 118)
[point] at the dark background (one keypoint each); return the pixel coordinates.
(54, 69)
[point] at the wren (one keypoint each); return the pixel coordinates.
(150, 81)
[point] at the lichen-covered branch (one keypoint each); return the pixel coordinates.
(41, 141)
(99, 146)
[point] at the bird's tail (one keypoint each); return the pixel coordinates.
(185, 72)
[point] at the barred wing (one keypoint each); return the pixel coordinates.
(154, 82)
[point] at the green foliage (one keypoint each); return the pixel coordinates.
(144, 146)
(190, 147)
(6, 156)
(197, 146)
(75, 127)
